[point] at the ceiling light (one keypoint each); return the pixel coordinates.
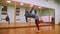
(31, 5)
(39, 7)
(8, 1)
(21, 4)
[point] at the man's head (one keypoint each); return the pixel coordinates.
(26, 11)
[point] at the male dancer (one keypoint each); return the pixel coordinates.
(28, 14)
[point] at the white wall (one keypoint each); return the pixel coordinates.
(56, 16)
(0, 13)
(59, 13)
(49, 4)
(10, 11)
(22, 17)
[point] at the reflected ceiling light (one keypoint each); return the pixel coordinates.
(31, 5)
(40, 7)
(21, 3)
(8, 1)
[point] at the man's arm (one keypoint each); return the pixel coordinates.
(31, 9)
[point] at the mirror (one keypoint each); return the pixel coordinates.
(44, 13)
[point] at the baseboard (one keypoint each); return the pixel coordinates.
(46, 22)
(22, 27)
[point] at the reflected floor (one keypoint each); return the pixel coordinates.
(53, 29)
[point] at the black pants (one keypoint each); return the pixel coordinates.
(37, 24)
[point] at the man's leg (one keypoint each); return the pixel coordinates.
(8, 22)
(37, 25)
(38, 22)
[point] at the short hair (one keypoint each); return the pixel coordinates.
(26, 11)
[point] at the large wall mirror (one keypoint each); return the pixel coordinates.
(16, 12)
(44, 13)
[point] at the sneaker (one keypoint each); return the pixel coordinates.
(38, 31)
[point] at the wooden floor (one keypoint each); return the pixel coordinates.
(53, 29)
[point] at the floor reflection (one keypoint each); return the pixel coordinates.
(33, 30)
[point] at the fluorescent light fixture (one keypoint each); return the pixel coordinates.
(40, 7)
(21, 3)
(8, 1)
(31, 5)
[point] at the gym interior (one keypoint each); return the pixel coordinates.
(47, 10)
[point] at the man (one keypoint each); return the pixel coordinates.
(7, 19)
(28, 14)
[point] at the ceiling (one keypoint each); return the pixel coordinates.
(13, 3)
(4, 3)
